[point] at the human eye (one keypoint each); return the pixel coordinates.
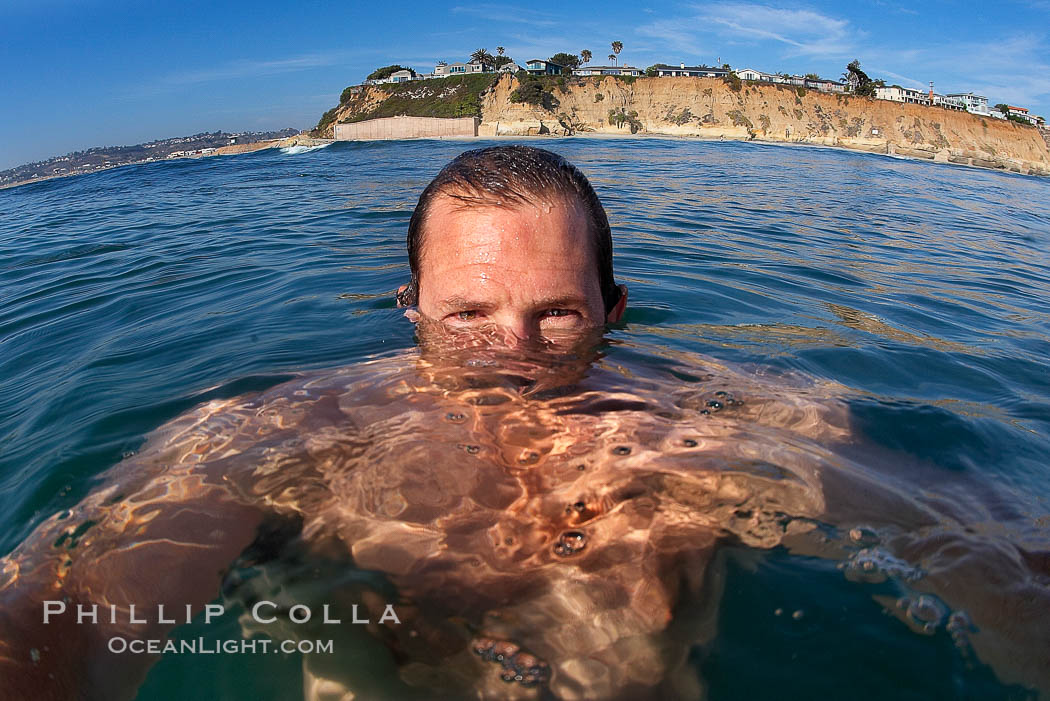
(559, 316)
(465, 316)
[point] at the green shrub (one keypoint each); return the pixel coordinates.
(533, 91)
(800, 91)
(326, 119)
(387, 71)
(734, 81)
(619, 118)
(740, 120)
(454, 96)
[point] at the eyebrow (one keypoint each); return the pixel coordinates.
(460, 303)
(562, 301)
(457, 302)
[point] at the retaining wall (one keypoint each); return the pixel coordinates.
(406, 128)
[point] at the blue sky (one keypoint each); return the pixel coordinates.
(78, 74)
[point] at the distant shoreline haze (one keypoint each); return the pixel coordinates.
(103, 157)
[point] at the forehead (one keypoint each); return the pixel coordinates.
(460, 230)
(521, 255)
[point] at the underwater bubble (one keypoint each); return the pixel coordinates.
(714, 404)
(529, 457)
(874, 565)
(581, 468)
(472, 449)
(720, 393)
(959, 621)
(482, 646)
(925, 611)
(455, 417)
(504, 649)
(797, 615)
(705, 412)
(960, 626)
(34, 655)
(689, 443)
(622, 450)
(579, 506)
(570, 543)
(778, 612)
(864, 536)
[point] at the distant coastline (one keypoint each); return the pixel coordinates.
(103, 158)
(692, 108)
(706, 108)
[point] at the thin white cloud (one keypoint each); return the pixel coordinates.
(890, 77)
(807, 32)
(1011, 69)
(507, 13)
(252, 69)
(799, 32)
(673, 35)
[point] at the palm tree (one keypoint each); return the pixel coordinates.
(586, 55)
(500, 50)
(617, 47)
(612, 59)
(481, 55)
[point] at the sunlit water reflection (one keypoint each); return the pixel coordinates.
(863, 505)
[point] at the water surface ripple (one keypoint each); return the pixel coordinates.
(920, 291)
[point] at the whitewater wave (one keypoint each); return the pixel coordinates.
(292, 150)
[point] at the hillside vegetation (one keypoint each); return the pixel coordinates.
(454, 96)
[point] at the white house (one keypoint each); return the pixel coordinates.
(400, 77)
(606, 70)
(948, 103)
(974, 104)
(509, 68)
(479, 67)
(753, 75)
(896, 93)
(664, 70)
(824, 85)
(538, 66)
(1020, 112)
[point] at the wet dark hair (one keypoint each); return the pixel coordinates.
(509, 176)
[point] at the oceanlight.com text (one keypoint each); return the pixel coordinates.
(201, 646)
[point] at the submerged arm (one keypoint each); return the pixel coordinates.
(161, 532)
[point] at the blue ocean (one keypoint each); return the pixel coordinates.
(919, 293)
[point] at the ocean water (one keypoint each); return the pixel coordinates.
(916, 296)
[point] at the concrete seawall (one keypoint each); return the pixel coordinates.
(406, 128)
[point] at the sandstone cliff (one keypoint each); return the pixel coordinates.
(710, 108)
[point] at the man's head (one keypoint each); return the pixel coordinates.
(514, 237)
